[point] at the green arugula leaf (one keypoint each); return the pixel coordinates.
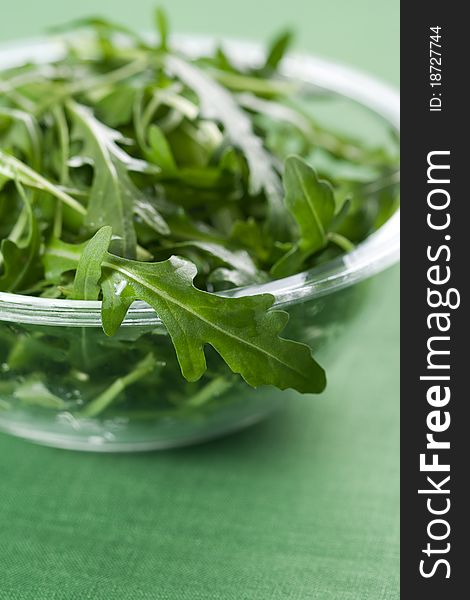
(13, 169)
(266, 87)
(161, 23)
(86, 284)
(116, 108)
(219, 105)
(277, 50)
(222, 279)
(60, 257)
(184, 228)
(312, 204)
(159, 151)
(249, 235)
(24, 134)
(149, 214)
(239, 260)
(21, 265)
(113, 194)
(242, 330)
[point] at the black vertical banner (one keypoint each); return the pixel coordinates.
(435, 442)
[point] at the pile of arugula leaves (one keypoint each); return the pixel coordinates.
(129, 171)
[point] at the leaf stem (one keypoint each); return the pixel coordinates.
(216, 387)
(57, 227)
(341, 241)
(20, 225)
(98, 405)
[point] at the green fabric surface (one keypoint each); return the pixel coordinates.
(302, 506)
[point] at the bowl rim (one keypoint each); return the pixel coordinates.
(377, 252)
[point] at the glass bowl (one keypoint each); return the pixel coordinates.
(97, 406)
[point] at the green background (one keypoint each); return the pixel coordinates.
(303, 506)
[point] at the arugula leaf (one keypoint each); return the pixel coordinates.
(60, 257)
(239, 260)
(277, 50)
(184, 228)
(25, 134)
(86, 284)
(159, 151)
(148, 213)
(113, 194)
(161, 23)
(116, 108)
(249, 235)
(222, 279)
(219, 105)
(266, 87)
(312, 204)
(21, 266)
(13, 169)
(277, 112)
(242, 330)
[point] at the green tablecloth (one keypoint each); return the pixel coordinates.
(303, 506)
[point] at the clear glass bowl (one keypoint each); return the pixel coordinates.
(89, 410)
